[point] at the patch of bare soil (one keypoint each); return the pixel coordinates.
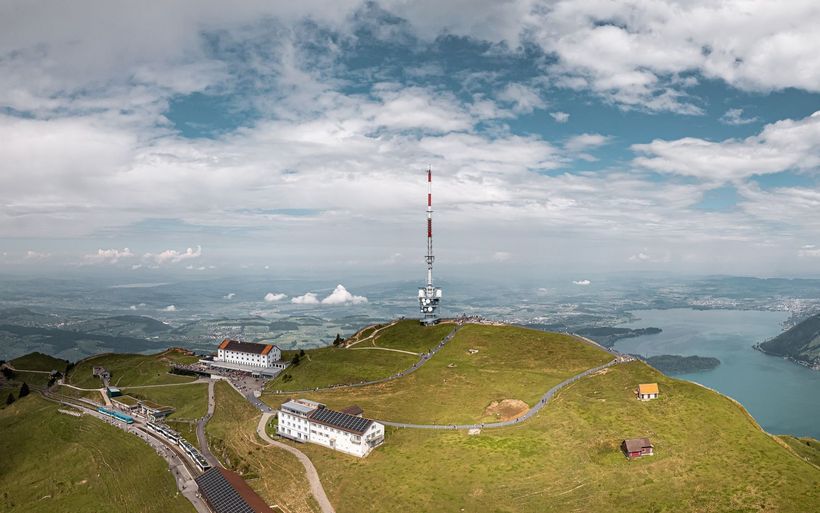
(507, 409)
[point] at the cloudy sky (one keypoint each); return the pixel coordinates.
(292, 137)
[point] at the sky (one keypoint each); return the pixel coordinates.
(565, 138)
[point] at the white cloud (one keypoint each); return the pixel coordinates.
(781, 146)
(634, 53)
(173, 256)
(582, 282)
(109, 256)
(133, 307)
(735, 117)
(229, 295)
(271, 297)
(524, 99)
(560, 117)
(583, 142)
(341, 296)
(170, 308)
(309, 298)
(136, 266)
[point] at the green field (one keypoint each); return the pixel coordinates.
(331, 365)
(190, 400)
(407, 335)
(275, 474)
(806, 448)
(53, 462)
(39, 362)
(456, 386)
(34, 379)
(92, 395)
(710, 457)
(131, 369)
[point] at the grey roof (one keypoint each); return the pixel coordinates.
(636, 444)
(299, 407)
(353, 409)
(339, 420)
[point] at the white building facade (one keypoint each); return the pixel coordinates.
(250, 354)
(309, 421)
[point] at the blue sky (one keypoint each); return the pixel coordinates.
(566, 138)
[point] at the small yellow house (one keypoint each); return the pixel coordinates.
(647, 391)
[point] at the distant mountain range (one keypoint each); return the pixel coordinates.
(801, 343)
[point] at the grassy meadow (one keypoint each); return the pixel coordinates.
(331, 365)
(38, 362)
(131, 369)
(53, 462)
(406, 335)
(710, 457)
(189, 399)
(457, 386)
(806, 448)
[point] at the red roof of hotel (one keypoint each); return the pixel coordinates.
(245, 347)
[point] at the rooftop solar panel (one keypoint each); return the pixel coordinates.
(226, 492)
(341, 420)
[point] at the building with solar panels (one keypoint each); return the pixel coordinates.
(226, 492)
(308, 421)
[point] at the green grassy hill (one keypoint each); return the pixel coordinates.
(39, 362)
(190, 399)
(801, 342)
(806, 448)
(361, 362)
(710, 457)
(457, 386)
(53, 462)
(131, 369)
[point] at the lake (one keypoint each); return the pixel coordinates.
(782, 396)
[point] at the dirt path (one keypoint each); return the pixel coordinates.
(313, 477)
(372, 334)
(383, 349)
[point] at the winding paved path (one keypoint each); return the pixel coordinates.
(424, 358)
(313, 477)
(200, 428)
(532, 411)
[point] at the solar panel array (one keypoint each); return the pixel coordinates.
(341, 420)
(221, 496)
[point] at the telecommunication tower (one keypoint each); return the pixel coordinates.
(429, 296)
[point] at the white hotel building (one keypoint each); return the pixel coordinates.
(250, 354)
(308, 421)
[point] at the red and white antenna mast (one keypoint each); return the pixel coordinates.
(429, 296)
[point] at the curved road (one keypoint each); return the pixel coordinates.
(532, 411)
(312, 476)
(424, 358)
(200, 428)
